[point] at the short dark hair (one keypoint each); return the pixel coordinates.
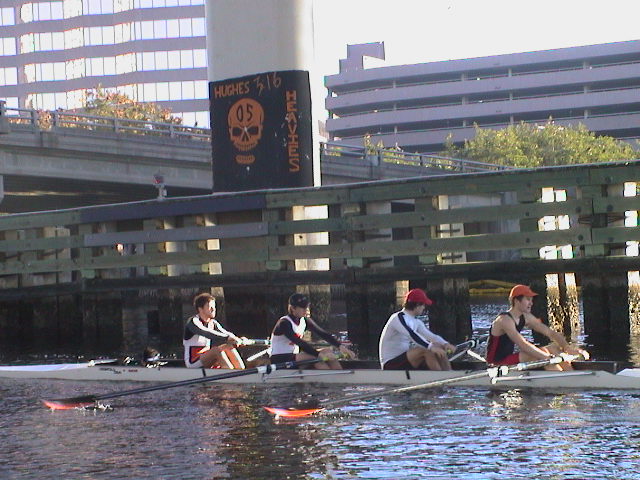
(513, 299)
(410, 305)
(202, 299)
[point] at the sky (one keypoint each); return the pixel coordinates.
(416, 31)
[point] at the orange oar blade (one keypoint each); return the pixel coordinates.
(292, 412)
(69, 403)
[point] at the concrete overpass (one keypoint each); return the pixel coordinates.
(55, 160)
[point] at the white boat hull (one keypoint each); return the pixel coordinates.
(579, 379)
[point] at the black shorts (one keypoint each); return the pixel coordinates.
(282, 358)
(398, 363)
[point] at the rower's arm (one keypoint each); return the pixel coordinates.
(508, 326)
(322, 333)
(216, 337)
(537, 325)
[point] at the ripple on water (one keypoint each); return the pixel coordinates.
(222, 432)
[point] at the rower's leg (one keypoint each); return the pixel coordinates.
(212, 358)
(419, 357)
(235, 358)
(302, 356)
(331, 361)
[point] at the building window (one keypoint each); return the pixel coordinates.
(34, 12)
(9, 76)
(97, 7)
(10, 102)
(7, 46)
(7, 16)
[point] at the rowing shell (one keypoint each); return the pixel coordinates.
(583, 378)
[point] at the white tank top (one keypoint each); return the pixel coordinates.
(281, 344)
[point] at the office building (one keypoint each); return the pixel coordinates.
(52, 52)
(418, 107)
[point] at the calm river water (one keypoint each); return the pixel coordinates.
(221, 432)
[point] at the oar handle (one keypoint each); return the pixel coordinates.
(254, 341)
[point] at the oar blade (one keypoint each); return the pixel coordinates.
(69, 403)
(292, 412)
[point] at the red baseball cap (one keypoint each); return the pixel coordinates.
(521, 290)
(417, 295)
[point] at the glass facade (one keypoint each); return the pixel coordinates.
(151, 50)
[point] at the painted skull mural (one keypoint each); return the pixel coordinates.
(245, 120)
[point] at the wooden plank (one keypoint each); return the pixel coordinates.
(342, 250)
(44, 243)
(123, 261)
(307, 197)
(308, 226)
(174, 207)
(473, 243)
(616, 173)
(617, 234)
(466, 215)
(39, 219)
(241, 230)
(615, 204)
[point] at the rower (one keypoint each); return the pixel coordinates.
(287, 341)
(505, 335)
(207, 344)
(403, 329)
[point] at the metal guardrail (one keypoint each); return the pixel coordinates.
(379, 156)
(52, 120)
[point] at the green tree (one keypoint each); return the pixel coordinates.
(103, 103)
(530, 145)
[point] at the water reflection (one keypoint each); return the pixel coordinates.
(221, 432)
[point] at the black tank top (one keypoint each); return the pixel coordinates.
(502, 346)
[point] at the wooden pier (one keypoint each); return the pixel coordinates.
(120, 276)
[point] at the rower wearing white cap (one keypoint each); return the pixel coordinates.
(403, 329)
(287, 344)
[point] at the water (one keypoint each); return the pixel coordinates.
(203, 432)
(221, 432)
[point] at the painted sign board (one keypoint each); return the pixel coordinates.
(261, 131)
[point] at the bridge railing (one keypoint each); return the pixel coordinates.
(52, 120)
(380, 155)
(392, 230)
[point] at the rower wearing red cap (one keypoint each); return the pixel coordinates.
(403, 329)
(505, 335)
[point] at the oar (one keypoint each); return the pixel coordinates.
(493, 373)
(87, 400)
(255, 341)
(464, 347)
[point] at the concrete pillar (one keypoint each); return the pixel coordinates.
(260, 53)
